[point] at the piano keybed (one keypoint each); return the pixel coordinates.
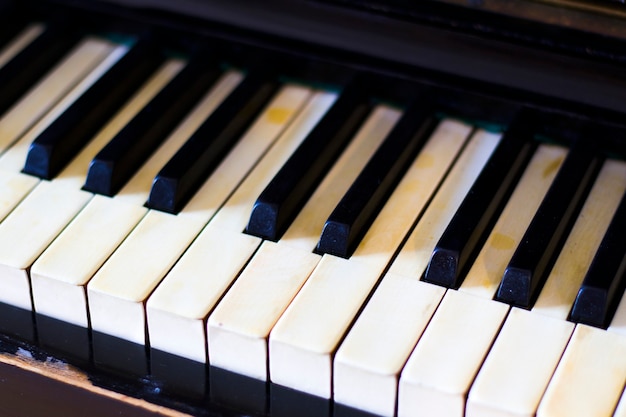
(221, 230)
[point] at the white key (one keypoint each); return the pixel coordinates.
(590, 378)
(18, 43)
(302, 235)
(40, 217)
(438, 381)
(150, 251)
(439, 372)
(375, 326)
(45, 94)
(368, 363)
(178, 307)
(527, 350)
(519, 365)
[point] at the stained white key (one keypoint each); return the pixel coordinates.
(440, 370)
(590, 378)
(54, 86)
(527, 350)
(250, 339)
(365, 352)
(19, 42)
(178, 307)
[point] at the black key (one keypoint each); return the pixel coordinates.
(65, 137)
(481, 206)
(285, 195)
(531, 261)
(115, 164)
(194, 162)
(32, 62)
(604, 282)
(361, 203)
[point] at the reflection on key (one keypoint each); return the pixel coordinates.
(440, 370)
(237, 334)
(287, 192)
(367, 359)
(116, 163)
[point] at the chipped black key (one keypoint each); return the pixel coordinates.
(32, 62)
(72, 130)
(482, 204)
(199, 156)
(604, 282)
(359, 206)
(300, 175)
(113, 166)
(527, 270)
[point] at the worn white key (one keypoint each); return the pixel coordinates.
(40, 217)
(178, 307)
(45, 94)
(307, 335)
(365, 351)
(18, 43)
(449, 354)
(527, 350)
(439, 372)
(302, 235)
(519, 365)
(590, 378)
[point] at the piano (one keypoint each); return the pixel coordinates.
(312, 208)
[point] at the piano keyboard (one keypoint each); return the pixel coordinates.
(163, 213)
